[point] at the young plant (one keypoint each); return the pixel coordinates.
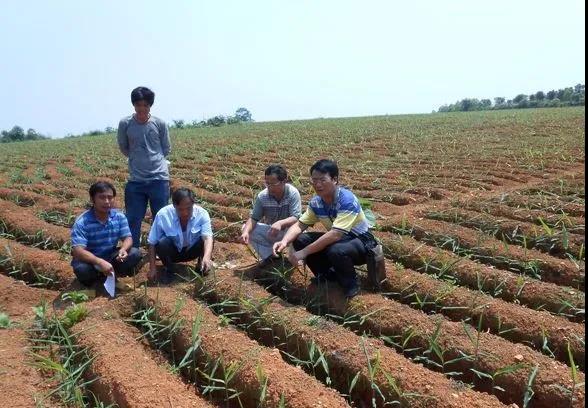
(5, 322)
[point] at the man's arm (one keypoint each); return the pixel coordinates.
(83, 255)
(122, 138)
(123, 252)
(155, 234)
(278, 226)
(246, 230)
(324, 241)
(164, 139)
(289, 237)
(207, 256)
(152, 268)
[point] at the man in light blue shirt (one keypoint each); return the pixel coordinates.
(180, 232)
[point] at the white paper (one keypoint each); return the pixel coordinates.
(110, 284)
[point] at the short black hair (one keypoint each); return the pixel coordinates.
(326, 166)
(101, 187)
(142, 94)
(278, 170)
(181, 193)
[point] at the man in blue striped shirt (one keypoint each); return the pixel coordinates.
(95, 236)
(331, 255)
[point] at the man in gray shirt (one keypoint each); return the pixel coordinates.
(278, 206)
(144, 139)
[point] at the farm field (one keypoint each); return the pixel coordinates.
(482, 218)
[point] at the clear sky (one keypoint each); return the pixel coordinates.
(69, 66)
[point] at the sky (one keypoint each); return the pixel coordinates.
(68, 67)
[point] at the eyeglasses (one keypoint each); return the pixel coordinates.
(277, 183)
(320, 180)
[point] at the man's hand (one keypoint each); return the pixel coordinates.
(279, 247)
(297, 257)
(245, 237)
(206, 266)
(104, 266)
(122, 255)
(275, 229)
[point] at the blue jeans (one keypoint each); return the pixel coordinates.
(137, 195)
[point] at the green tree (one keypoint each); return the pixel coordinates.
(243, 115)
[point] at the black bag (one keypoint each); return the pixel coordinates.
(376, 266)
(375, 261)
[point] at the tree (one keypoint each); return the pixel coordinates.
(519, 98)
(31, 135)
(243, 115)
(468, 104)
(178, 123)
(216, 121)
(540, 95)
(15, 134)
(486, 103)
(499, 101)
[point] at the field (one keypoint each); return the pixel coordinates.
(482, 218)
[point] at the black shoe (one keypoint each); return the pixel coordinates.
(351, 291)
(318, 279)
(331, 275)
(166, 277)
(266, 262)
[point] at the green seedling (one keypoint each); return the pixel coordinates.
(75, 297)
(5, 322)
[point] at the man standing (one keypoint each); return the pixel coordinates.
(180, 232)
(331, 255)
(278, 205)
(95, 235)
(144, 139)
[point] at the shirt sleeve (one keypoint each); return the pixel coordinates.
(257, 212)
(295, 204)
(164, 139)
(125, 231)
(122, 138)
(348, 215)
(155, 233)
(309, 217)
(78, 235)
(206, 229)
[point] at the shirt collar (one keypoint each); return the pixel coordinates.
(92, 215)
(335, 198)
(286, 193)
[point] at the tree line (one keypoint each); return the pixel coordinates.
(241, 115)
(570, 96)
(18, 134)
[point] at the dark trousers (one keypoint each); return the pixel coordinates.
(169, 254)
(88, 275)
(137, 195)
(342, 256)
